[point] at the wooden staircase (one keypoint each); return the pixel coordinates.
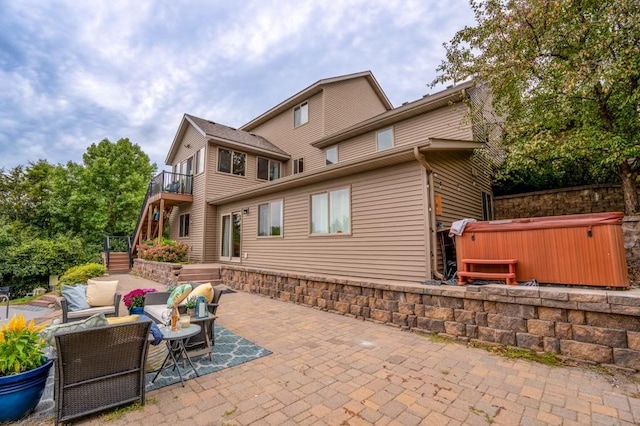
(118, 262)
(200, 273)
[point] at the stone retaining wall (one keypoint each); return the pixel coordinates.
(166, 273)
(589, 325)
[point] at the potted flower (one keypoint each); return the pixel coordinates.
(191, 305)
(23, 368)
(134, 300)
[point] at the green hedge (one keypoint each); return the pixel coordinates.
(80, 274)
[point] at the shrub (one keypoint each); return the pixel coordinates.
(80, 274)
(170, 251)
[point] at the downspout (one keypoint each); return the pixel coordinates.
(431, 212)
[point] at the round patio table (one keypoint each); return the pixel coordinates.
(175, 343)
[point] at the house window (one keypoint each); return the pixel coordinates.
(268, 169)
(200, 161)
(331, 155)
(301, 114)
(487, 206)
(384, 139)
(331, 212)
(270, 219)
(231, 162)
(184, 225)
(187, 166)
(298, 166)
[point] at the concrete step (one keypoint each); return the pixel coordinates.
(49, 300)
(213, 282)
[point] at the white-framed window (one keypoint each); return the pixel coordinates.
(200, 161)
(184, 225)
(186, 168)
(270, 219)
(268, 169)
(384, 139)
(487, 206)
(331, 155)
(331, 212)
(231, 162)
(301, 114)
(298, 166)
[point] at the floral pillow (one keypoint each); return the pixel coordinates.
(178, 294)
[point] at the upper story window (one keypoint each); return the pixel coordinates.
(384, 139)
(268, 169)
(200, 161)
(232, 162)
(301, 114)
(270, 219)
(187, 166)
(331, 212)
(298, 166)
(331, 155)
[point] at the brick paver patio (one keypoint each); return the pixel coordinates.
(335, 370)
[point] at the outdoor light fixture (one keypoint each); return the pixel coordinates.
(245, 210)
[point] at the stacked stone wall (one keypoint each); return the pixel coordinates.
(166, 273)
(597, 326)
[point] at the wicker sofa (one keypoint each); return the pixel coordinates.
(100, 368)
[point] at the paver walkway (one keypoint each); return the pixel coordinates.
(335, 370)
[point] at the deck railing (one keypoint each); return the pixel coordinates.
(175, 183)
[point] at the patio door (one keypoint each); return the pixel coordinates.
(231, 237)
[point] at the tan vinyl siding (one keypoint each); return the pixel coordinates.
(388, 229)
(349, 102)
(461, 192)
(296, 141)
(449, 122)
(211, 235)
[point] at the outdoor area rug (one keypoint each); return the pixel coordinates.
(229, 350)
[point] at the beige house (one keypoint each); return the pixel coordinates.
(333, 180)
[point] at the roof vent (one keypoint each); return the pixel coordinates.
(252, 134)
(211, 122)
(404, 103)
(450, 86)
(427, 95)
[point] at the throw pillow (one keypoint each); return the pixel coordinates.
(122, 320)
(48, 333)
(178, 294)
(101, 293)
(202, 290)
(76, 296)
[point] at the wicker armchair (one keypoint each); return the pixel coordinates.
(100, 368)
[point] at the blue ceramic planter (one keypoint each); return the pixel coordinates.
(139, 310)
(20, 393)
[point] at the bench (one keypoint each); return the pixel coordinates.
(466, 275)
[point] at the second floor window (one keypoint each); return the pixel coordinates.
(231, 162)
(384, 139)
(298, 166)
(301, 114)
(331, 155)
(268, 169)
(187, 166)
(200, 161)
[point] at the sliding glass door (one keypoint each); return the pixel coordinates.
(231, 234)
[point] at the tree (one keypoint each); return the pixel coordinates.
(565, 79)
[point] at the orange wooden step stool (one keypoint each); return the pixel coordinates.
(466, 275)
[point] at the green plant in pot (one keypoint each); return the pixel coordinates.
(191, 305)
(23, 368)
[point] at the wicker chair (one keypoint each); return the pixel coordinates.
(100, 368)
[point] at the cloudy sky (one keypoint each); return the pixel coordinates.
(73, 72)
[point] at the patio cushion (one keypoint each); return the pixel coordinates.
(76, 296)
(178, 294)
(202, 290)
(100, 293)
(122, 320)
(48, 333)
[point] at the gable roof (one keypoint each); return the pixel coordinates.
(312, 90)
(408, 110)
(226, 136)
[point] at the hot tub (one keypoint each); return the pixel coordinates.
(585, 249)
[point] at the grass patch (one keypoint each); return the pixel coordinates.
(510, 352)
(118, 413)
(439, 338)
(230, 412)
